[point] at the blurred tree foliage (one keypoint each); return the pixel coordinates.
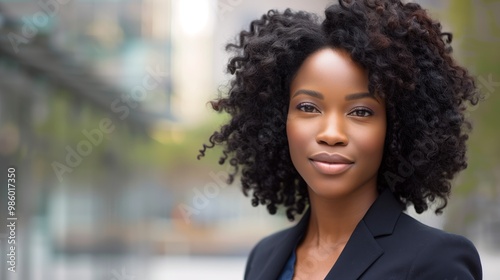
(163, 147)
(476, 29)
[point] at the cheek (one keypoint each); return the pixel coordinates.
(296, 135)
(371, 143)
(291, 133)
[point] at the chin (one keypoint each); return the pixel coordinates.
(335, 189)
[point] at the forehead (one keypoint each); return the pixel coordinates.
(330, 66)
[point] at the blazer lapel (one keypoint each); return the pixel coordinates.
(362, 249)
(359, 253)
(282, 250)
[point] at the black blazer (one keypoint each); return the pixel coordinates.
(386, 244)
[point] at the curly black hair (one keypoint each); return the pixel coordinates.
(409, 63)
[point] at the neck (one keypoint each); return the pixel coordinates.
(332, 221)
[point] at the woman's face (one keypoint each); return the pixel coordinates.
(335, 127)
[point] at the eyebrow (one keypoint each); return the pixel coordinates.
(360, 95)
(311, 93)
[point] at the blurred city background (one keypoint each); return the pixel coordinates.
(103, 108)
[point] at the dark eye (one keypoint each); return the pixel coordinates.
(361, 112)
(308, 108)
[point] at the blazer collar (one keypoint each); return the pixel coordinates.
(360, 251)
(283, 249)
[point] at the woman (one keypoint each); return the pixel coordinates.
(350, 120)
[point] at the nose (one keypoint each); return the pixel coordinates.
(332, 131)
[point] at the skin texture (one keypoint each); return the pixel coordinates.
(332, 111)
(343, 119)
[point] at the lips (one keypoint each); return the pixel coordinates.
(330, 164)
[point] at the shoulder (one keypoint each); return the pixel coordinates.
(261, 252)
(436, 253)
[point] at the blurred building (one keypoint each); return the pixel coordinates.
(67, 110)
